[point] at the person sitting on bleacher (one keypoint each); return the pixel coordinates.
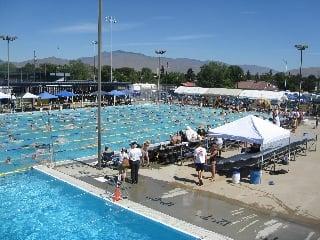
(107, 154)
(254, 148)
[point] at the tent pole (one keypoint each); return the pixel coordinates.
(261, 166)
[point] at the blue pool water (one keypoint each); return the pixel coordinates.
(37, 206)
(28, 138)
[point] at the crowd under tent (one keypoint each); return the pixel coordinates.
(261, 94)
(253, 129)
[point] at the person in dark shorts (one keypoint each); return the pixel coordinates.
(200, 157)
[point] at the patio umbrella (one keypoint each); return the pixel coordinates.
(29, 96)
(116, 93)
(66, 94)
(46, 95)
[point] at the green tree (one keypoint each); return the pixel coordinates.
(106, 73)
(248, 76)
(214, 75)
(235, 73)
(79, 70)
(190, 75)
(309, 84)
(174, 78)
(126, 74)
(146, 75)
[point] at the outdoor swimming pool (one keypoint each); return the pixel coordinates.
(37, 206)
(28, 138)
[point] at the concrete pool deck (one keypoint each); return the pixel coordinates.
(170, 191)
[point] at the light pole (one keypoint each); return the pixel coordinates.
(94, 43)
(111, 20)
(8, 39)
(99, 83)
(159, 52)
(300, 48)
(34, 65)
(285, 74)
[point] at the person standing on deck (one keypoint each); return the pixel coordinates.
(200, 157)
(135, 156)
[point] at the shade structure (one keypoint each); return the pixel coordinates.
(66, 94)
(116, 93)
(223, 92)
(251, 129)
(96, 93)
(261, 94)
(6, 96)
(46, 95)
(29, 96)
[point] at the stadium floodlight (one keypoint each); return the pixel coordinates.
(301, 48)
(159, 52)
(111, 20)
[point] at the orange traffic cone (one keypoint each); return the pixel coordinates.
(117, 194)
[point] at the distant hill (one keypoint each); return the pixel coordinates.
(138, 61)
(306, 71)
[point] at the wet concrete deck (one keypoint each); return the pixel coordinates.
(197, 207)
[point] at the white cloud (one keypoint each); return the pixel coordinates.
(93, 27)
(189, 37)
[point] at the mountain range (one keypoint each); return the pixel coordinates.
(138, 61)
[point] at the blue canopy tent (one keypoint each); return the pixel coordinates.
(96, 93)
(116, 93)
(65, 93)
(46, 96)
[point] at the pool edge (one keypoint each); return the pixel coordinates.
(137, 208)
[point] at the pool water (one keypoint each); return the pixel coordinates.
(37, 206)
(28, 138)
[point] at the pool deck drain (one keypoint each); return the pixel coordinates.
(201, 214)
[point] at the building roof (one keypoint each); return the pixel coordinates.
(188, 84)
(257, 85)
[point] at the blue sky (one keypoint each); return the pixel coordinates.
(261, 32)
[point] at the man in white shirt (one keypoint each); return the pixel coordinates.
(200, 157)
(135, 156)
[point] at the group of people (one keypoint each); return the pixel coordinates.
(203, 159)
(132, 159)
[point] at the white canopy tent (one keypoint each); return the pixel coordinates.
(261, 94)
(29, 96)
(191, 90)
(251, 129)
(6, 96)
(223, 92)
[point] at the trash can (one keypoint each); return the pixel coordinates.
(236, 176)
(255, 176)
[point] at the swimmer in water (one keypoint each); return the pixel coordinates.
(8, 160)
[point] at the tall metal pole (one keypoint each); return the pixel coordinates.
(111, 20)
(300, 47)
(285, 74)
(8, 64)
(99, 83)
(34, 65)
(94, 43)
(159, 79)
(159, 52)
(111, 77)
